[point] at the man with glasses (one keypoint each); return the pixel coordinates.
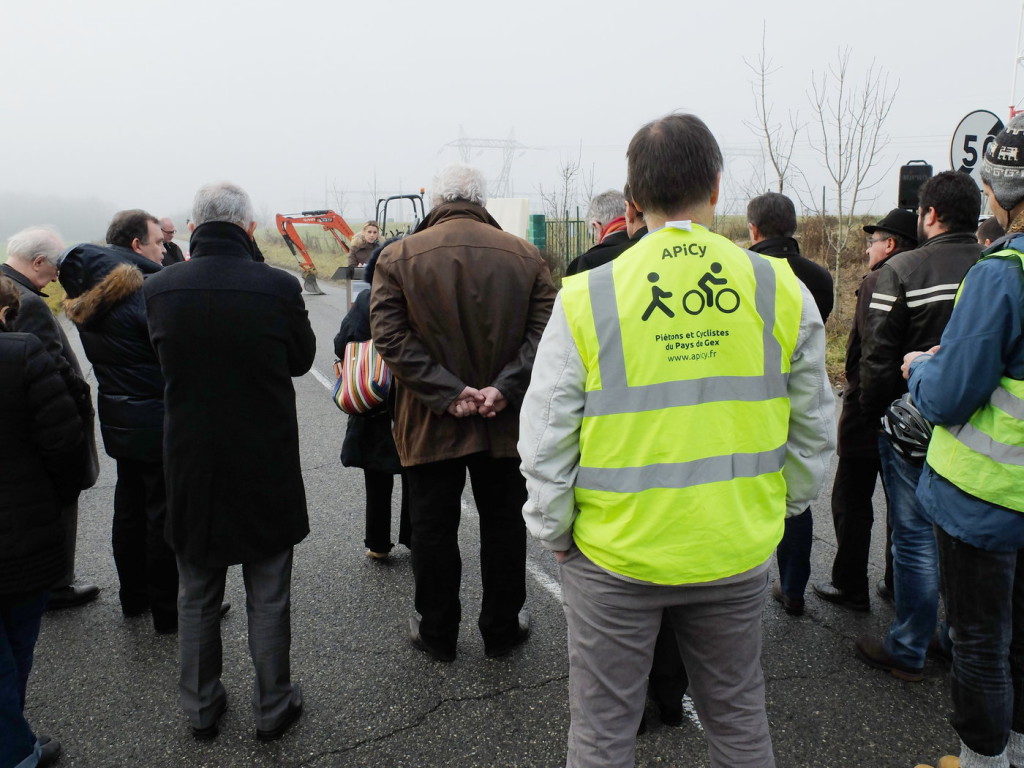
(173, 254)
(858, 468)
(908, 311)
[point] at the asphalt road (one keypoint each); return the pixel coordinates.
(105, 686)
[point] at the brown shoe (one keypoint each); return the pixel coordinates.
(794, 605)
(873, 653)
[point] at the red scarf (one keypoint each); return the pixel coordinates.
(615, 225)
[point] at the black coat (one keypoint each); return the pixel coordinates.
(35, 317)
(172, 254)
(817, 279)
(368, 442)
(105, 301)
(39, 471)
(230, 334)
(607, 250)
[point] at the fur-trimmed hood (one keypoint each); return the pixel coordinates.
(120, 283)
(87, 274)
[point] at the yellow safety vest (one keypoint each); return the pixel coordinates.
(985, 456)
(687, 341)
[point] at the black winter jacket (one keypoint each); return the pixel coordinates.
(105, 301)
(817, 279)
(39, 470)
(35, 317)
(909, 309)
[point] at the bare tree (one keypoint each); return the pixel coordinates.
(848, 135)
(776, 140)
(566, 194)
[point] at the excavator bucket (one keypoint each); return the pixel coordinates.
(309, 284)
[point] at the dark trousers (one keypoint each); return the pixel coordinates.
(435, 491)
(379, 486)
(853, 516)
(268, 584)
(20, 617)
(984, 596)
(667, 682)
(794, 554)
(145, 562)
(69, 520)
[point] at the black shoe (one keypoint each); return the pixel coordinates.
(521, 636)
(794, 606)
(938, 653)
(293, 713)
(670, 712)
(50, 751)
(872, 652)
(883, 591)
(134, 611)
(420, 644)
(224, 608)
(210, 732)
(72, 596)
(832, 594)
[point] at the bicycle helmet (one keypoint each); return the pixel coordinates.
(908, 431)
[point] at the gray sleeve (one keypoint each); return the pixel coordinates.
(812, 416)
(549, 434)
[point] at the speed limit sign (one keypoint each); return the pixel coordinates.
(971, 140)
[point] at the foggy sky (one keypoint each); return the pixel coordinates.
(136, 104)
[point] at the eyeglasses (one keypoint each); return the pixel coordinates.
(873, 240)
(168, 231)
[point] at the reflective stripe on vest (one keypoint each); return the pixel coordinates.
(985, 456)
(681, 457)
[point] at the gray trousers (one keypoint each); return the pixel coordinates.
(613, 625)
(268, 607)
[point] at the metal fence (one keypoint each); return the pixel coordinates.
(567, 238)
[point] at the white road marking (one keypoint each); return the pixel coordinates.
(328, 384)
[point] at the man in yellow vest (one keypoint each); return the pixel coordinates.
(971, 387)
(678, 411)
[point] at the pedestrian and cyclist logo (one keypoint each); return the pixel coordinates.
(695, 301)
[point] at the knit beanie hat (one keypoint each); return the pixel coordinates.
(1003, 165)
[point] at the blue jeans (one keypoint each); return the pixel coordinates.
(794, 554)
(20, 617)
(915, 561)
(984, 594)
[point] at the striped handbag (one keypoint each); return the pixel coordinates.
(363, 378)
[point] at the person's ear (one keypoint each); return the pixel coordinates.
(715, 189)
(251, 229)
(137, 246)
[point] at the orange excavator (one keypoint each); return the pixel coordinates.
(330, 221)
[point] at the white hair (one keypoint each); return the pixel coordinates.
(30, 243)
(222, 201)
(460, 182)
(606, 207)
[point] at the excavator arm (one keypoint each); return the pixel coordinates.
(330, 221)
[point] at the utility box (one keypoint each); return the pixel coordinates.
(538, 231)
(912, 176)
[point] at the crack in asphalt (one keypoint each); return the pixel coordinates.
(424, 716)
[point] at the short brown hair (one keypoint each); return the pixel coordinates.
(9, 297)
(128, 225)
(773, 214)
(673, 163)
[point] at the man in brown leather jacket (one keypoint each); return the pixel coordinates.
(457, 311)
